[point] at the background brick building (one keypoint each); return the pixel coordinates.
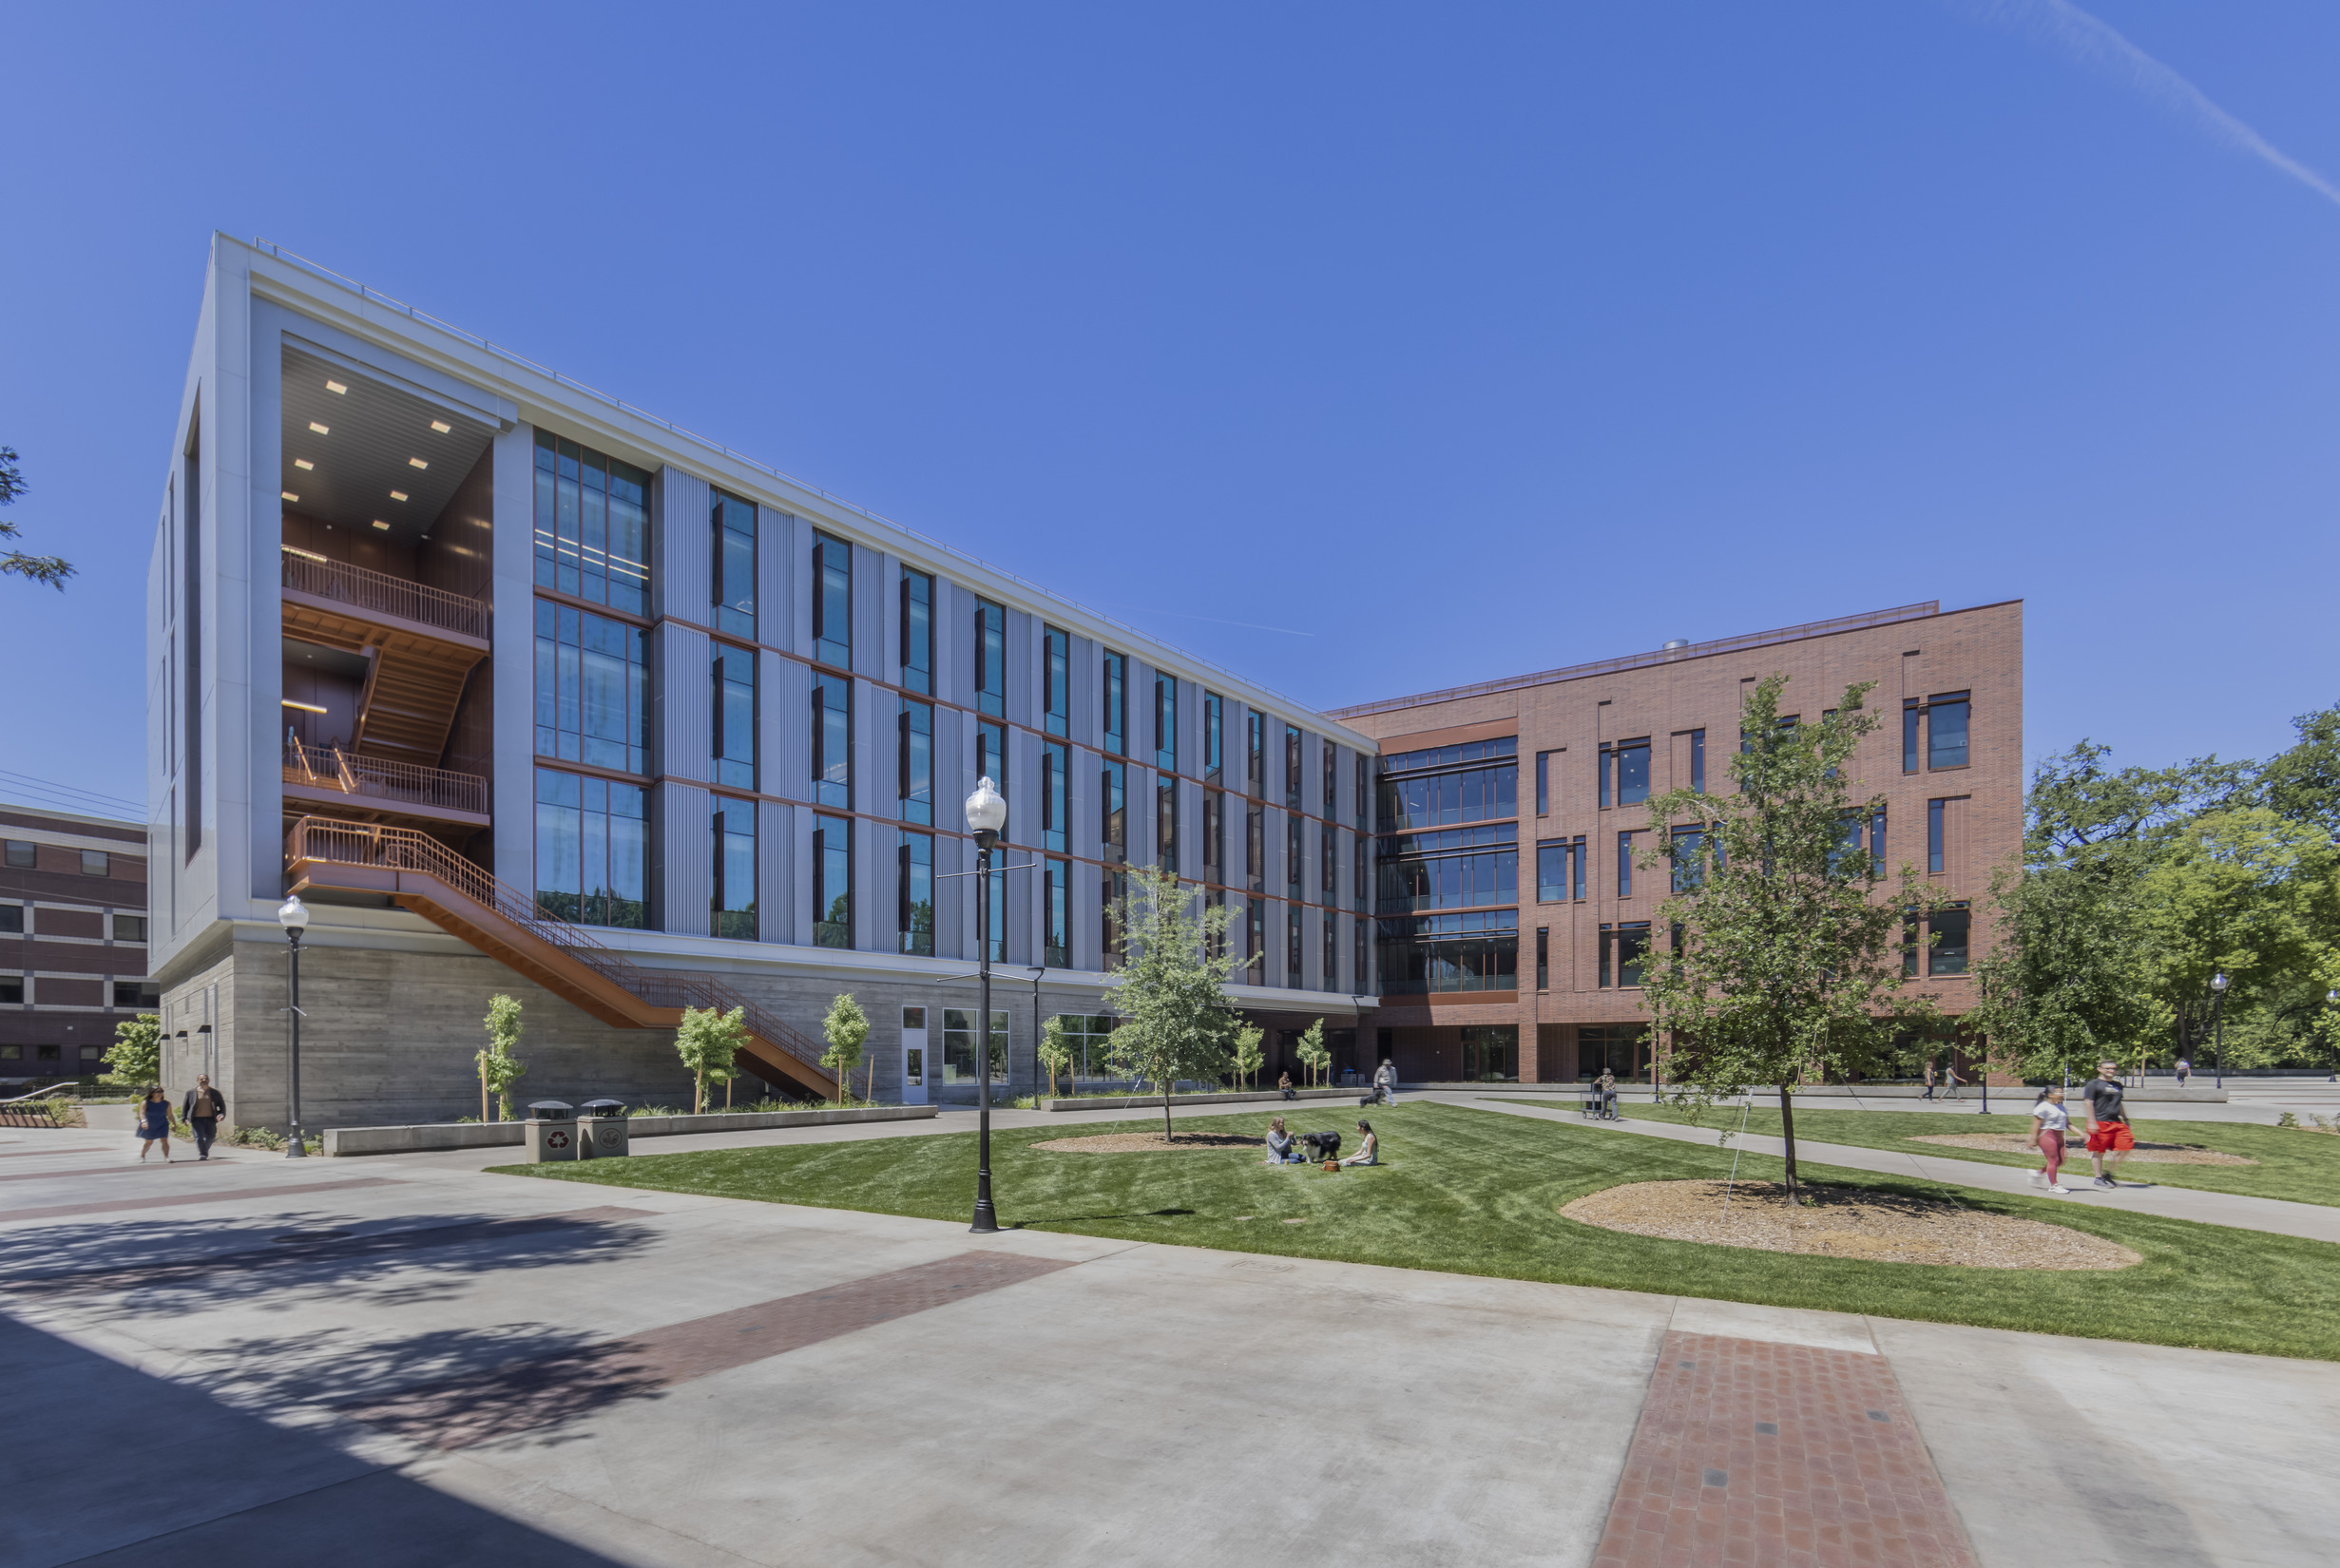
(72, 938)
(1508, 927)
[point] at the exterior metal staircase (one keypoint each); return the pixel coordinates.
(420, 644)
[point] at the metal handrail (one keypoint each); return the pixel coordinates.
(331, 768)
(405, 848)
(368, 589)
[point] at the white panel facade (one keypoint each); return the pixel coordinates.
(684, 841)
(682, 524)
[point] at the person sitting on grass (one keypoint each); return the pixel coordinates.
(1283, 1149)
(1370, 1152)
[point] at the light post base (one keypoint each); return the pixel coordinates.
(299, 1147)
(986, 1221)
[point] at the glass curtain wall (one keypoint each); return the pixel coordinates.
(735, 565)
(734, 717)
(918, 592)
(914, 745)
(592, 525)
(832, 741)
(592, 689)
(732, 906)
(832, 882)
(914, 912)
(592, 843)
(833, 601)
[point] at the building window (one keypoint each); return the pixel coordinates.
(1365, 788)
(1697, 761)
(1544, 958)
(1330, 978)
(1552, 857)
(1329, 862)
(1467, 783)
(1361, 979)
(1112, 794)
(132, 994)
(1909, 942)
(734, 717)
(1166, 723)
(592, 689)
(735, 565)
(993, 890)
(1293, 828)
(13, 920)
(832, 882)
(1358, 882)
(22, 855)
(913, 920)
(832, 741)
(593, 838)
(959, 1045)
(1214, 837)
(914, 753)
(991, 658)
(12, 994)
(95, 863)
(1624, 864)
(1461, 867)
(1544, 781)
(1292, 945)
(1115, 702)
(1625, 773)
(1113, 895)
(129, 928)
(918, 631)
(1056, 936)
(833, 601)
(1255, 941)
(1256, 848)
(1055, 795)
(1946, 730)
(592, 525)
(991, 760)
(1213, 738)
(1292, 769)
(1623, 949)
(1684, 848)
(1166, 822)
(1934, 815)
(1332, 778)
(1256, 756)
(732, 907)
(1056, 681)
(1909, 714)
(1948, 956)
(1433, 954)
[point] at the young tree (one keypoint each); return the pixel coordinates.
(136, 1055)
(1249, 1055)
(845, 1028)
(38, 568)
(499, 1069)
(1783, 964)
(1313, 1053)
(1177, 1021)
(708, 1042)
(1057, 1051)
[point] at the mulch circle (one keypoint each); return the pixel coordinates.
(2076, 1148)
(1847, 1223)
(1148, 1143)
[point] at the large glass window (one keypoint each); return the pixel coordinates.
(1552, 857)
(917, 631)
(592, 525)
(1329, 862)
(832, 882)
(1256, 942)
(592, 689)
(592, 839)
(1449, 952)
(1213, 738)
(735, 565)
(1365, 784)
(1946, 730)
(1214, 835)
(1292, 947)
(1625, 773)
(1113, 829)
(1056, 682)
(1294, 836)
(732, 906)
(1697, 760)
(1911, 715)
(1256, 756)
(959, 1044)
(1113, 897)
(1256, 848)
(1056, 914)
(1936, 838)
(1462, 870)
(992, 763)
(1114, 703)
(1166, 822)
(1544, 958)
(1490, 1053)
(1055, 795)
(1544, 781)
(1165, 721)
(1624, 864)
(991, 658)
(832, 741)
(833, 601)
(1685, 850)
(1332, 974)
(913, 916)
(1332, 778)
(1623, 949)
(914, 745)
(734, 717)
(1451, 794)
(1292, 769)
(1948, 956)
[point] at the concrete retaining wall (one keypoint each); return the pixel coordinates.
(1142, 1102)
(490, 1135)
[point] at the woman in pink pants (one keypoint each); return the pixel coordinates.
(2049, 1121)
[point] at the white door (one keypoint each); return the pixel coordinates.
(913, 1055)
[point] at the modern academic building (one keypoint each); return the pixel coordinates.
(522, 689)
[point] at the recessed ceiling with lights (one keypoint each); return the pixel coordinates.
(350, 442)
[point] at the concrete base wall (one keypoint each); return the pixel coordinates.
(490, 1135)
(1140, 1102)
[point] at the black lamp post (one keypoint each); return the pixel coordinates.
(2331, 999)
(1038, 972)
(2218, 1060)
(987, 814)
(294, 917)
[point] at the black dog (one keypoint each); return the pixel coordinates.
(1322, 1145)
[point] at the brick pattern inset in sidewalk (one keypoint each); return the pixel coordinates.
(523, 1396)
(1780, 1455)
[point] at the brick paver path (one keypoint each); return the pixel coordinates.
(523, 1396)
(1777, 1456)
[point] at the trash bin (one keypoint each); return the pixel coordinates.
(550, 1131)
(601, 1128)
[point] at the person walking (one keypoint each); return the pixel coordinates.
(1385, 1083)
(1606, 1085)
(204, 1107)
(2048, 1122)
(1929, 1079)
(154, 1123)
(2185, 1070)
(2109, 1135)
(1950, 1080)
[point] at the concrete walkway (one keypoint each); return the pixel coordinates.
(2313, 1221)
(399, 1362)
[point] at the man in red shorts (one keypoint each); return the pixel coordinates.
(2109, 1136)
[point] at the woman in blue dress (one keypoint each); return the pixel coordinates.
(154, 1125)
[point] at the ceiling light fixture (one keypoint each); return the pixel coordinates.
(416, 463)
(288, 495)
(304, 707)
(379, 524)
(441, 426)
(336, 387)
(303, 464)
(398, 495)
(305, 555)
(319, 428)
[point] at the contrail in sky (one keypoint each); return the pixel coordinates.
(2095, 43)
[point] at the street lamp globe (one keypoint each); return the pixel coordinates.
(2218, 983)
(987, 811)
(293, 915)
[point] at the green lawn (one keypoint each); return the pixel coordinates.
(2296, 1166)
(1474, 1191)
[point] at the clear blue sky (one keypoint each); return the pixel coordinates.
(1482, 338)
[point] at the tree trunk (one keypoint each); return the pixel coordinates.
(1787, 1126)
(1167, 1136)
(482, 1094)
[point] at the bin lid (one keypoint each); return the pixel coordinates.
(549, 1110)
(603, 1107)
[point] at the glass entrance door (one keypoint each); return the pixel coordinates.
(913, 1055)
